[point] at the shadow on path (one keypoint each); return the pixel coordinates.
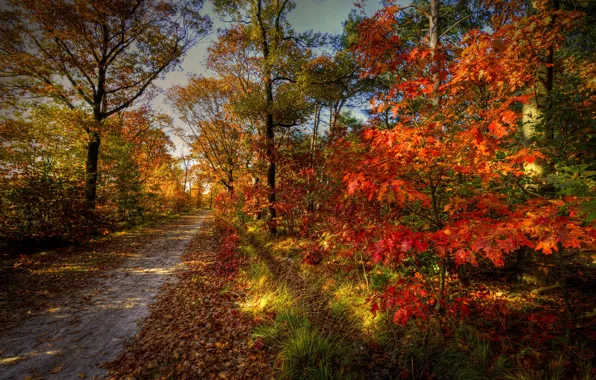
(77, 336)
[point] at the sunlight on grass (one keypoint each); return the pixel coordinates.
(264, 295)
(257, 303)
(258, 275)
(274, 299)
(349, 301)
(288, 247)
(256, 232)
(248, 250)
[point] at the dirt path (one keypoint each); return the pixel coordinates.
(196, 328)
(75, 338)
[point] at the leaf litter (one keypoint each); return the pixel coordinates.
(196, 329)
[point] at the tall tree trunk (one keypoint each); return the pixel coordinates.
(269, 123)
(535, 113)
(99, 107)
(270, 153)
(91, 170)
(331, 123)
(540, 101)
(185, 175)
(310, 206)
(434, 36)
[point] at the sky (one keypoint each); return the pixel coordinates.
(319, 15)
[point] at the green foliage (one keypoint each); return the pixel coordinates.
(577, 180)
(574, 180)
(122, 182)
(380, 278)
(41, 187)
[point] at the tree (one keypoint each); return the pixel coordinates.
(263, 56)
(437, 186)
(137, 151)
(98, 56)
(217, 134)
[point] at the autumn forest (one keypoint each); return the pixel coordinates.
(235, 189)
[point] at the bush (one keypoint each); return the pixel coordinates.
(42, 210)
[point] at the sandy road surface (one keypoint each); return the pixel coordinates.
(72, 341)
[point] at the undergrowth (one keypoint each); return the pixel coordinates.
(318, 324)
(303, 351)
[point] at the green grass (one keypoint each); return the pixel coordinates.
(307, 354)
(268, 300)
(302, 351)
(468, 356)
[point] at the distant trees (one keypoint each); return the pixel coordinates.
(217, 136)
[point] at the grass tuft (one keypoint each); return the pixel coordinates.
(307, 354)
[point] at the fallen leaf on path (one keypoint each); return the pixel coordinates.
(57, 368)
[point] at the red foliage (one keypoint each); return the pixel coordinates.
(410, 300)
(436, 182)
(229, 261)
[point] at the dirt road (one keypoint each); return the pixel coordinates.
(72, 340)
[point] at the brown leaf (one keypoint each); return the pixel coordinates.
(57, 368)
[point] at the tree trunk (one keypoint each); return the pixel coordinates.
(91, 170)
(230, 182)
(541, 101)
(271, 169)
(269, 123)
(185, 176)
(533, 114)
(315, 133)
(434, 36)
(310, 206)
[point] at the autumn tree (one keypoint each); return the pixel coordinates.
(442, 181)
(262, 55)
(137, 165)
(217, 135)
(100, 57)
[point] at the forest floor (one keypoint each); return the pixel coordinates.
(66, 311)
(169, 301)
